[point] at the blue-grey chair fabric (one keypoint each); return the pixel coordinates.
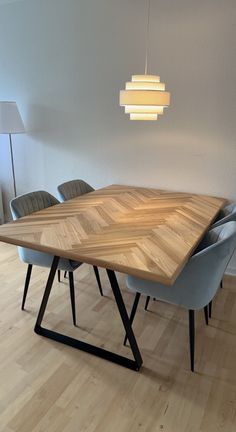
(31, 202)
(73, 189)
(25, 205)
(227, 214)
(197, 284)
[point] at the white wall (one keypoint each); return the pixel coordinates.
(64, 62)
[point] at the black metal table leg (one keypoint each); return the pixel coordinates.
(83, 346)
(47, 292)
(27, 281)
(133, 312)
(125, 318)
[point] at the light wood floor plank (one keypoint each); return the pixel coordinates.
(49, 387)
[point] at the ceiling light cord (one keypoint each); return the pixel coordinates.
(147, 35)
(145, 97)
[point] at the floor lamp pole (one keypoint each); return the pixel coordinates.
(12, 165)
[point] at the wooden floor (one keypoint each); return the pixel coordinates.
(47, 387)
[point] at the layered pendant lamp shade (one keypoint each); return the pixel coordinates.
(144, 97)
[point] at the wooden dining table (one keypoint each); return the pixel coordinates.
(145, 232)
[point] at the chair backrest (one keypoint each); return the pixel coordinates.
(31, 202)
(227, 214)
(24, 205)
(204, 271)
(73, 189)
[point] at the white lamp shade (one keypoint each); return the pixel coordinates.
(144, 98)
(10, 118)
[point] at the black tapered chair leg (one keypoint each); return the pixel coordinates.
(27, 281)
(206, 314)
(221, 283)
(65, 274)
(98, 279)
(210, 309)
(72, 296)
(59, 275)
(147, 302)
(133, 311)
(191, 338)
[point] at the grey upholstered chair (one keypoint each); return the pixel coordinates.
(73, 189)
(25, 205)
(227, 214)
(198, 283)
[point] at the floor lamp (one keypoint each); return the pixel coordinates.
(11, 123)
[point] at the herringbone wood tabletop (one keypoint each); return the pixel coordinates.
(140, 231)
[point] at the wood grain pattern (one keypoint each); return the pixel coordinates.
(49, 387)
(140, 231)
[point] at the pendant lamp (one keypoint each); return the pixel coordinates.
(145, 98)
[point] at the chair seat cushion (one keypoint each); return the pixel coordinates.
(150, 288)
(42, 259)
